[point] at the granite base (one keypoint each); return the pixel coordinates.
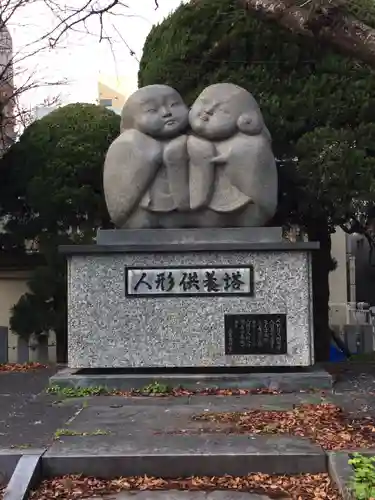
(305, 379)
(110, 327)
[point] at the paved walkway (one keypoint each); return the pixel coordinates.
(29, 417)
(80, 427)
(142, 427)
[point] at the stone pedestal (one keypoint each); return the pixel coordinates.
(266, 321)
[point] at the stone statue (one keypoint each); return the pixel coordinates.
(243, 173)
(212, 167)
(136, 182)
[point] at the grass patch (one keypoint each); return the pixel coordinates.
(79, 392)
(71, 432)
(363, 481)
(154, 389)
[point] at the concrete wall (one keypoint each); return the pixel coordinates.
(365, 272)
(338, 279)
(13, 284)
(354, 279)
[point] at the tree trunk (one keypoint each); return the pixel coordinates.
(321, 266)
(325, 20)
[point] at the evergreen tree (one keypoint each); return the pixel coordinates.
(317, 103)
(51, 194)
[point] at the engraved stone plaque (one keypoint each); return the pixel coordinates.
(188, 281)
(255, 334)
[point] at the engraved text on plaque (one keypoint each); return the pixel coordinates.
(255, 334)
(151, 282)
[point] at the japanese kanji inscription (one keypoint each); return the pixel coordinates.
(255, 334)
(189, 281)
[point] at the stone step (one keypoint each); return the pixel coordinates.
(115, 436)
(287, 380)
(186, 456)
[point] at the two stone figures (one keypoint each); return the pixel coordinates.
(186, 284)
(210, 166)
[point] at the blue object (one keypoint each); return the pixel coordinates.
(335, 354)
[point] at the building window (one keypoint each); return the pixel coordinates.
(107, 103)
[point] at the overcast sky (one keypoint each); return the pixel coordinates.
(80, 58)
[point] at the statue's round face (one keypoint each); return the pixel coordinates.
(161, 114)
(213, 117)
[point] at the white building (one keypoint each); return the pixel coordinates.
(42, 111)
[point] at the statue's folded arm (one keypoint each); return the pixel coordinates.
(131, 164)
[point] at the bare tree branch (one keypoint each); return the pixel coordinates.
(70, 17)
(131, 51)
(326, 20)
(18, 76)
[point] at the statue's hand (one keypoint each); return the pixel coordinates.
(219, 160)
(200, 151)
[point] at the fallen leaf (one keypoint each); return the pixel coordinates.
(324, 424)
(300, 487)
(17, 367)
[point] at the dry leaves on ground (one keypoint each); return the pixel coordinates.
(325, 424)
(301, 487)
(17, 367)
